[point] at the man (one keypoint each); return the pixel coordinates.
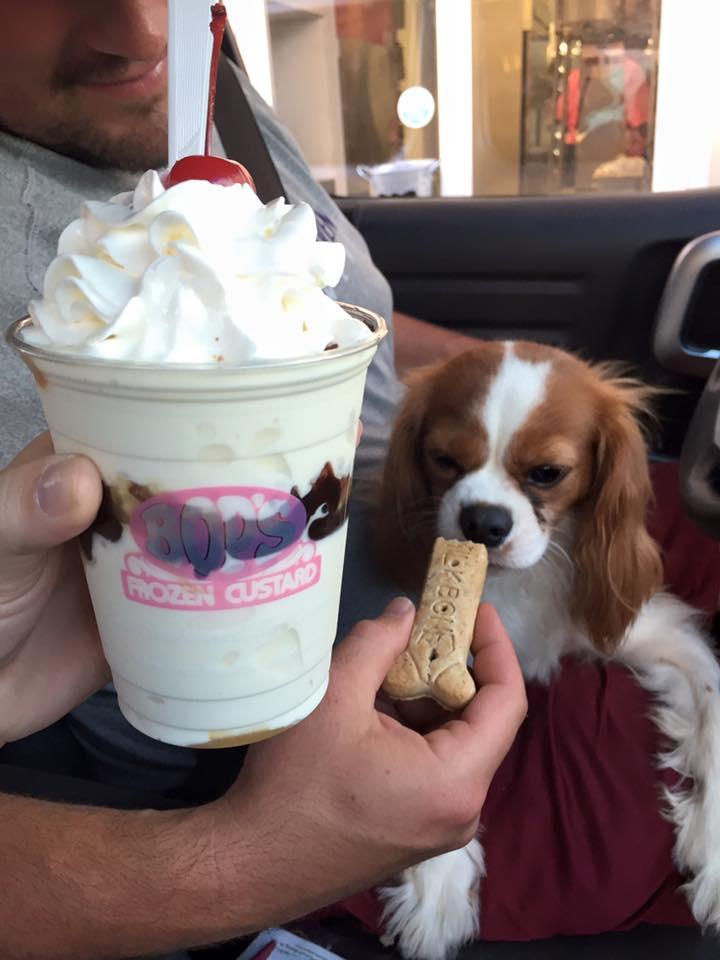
(83, 110)
(83, 102)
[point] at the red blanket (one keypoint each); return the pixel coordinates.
(574, 841)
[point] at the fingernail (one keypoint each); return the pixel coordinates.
(55, 493)
(399, 607)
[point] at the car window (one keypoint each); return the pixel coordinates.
(491, 97)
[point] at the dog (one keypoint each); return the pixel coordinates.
(541, 457)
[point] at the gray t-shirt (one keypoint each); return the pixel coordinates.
(40, 192)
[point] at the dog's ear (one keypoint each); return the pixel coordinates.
(618, 565)
(404, 487)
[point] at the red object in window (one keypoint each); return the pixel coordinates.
(372, 24)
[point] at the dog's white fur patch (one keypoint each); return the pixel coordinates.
(672, 659)
(516, 391)
(434, 909)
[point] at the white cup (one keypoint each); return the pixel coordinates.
(215, 563)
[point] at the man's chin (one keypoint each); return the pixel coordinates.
(133, 137)
(130, 152)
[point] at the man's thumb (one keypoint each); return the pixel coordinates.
(363, 659)
(42, 504)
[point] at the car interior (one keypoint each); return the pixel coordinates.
(628, 275)
(593, 274)
(596, 275)
(614, 268)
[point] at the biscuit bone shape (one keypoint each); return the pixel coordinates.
(435, 661)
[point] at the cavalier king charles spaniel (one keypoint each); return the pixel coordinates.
(540, 456)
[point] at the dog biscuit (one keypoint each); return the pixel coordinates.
(435, 662)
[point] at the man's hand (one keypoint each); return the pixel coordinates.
(335, 805)
(50, 654)
(350, 796)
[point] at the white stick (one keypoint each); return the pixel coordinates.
(189, 53)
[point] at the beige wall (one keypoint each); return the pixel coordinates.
(417, 40)
(497, 94)
(305, 57)
(590, 10)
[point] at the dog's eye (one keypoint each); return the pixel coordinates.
(546, 475)
(445, 462)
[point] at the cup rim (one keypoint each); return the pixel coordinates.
(373, 321)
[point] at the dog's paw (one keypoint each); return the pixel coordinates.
(434, 909)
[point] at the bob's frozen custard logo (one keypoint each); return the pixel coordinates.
(220, 548)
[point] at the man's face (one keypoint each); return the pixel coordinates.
(87, 78)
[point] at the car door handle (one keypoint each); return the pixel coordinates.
(700, 460)
(670, 346)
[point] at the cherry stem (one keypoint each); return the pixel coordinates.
(217, 28)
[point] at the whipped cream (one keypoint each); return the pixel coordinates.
(197, 273)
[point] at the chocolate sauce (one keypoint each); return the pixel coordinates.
(38, 375)
(140, 491)
(106, 524)
(116, 506)
(330, 492)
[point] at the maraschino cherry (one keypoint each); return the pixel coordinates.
(206, 166)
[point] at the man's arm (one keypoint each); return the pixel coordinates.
(98, 884)
(293, 834)
(417, 342)
(92, 883)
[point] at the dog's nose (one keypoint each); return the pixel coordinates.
(486, 523)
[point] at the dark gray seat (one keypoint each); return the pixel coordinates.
(345, 938)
